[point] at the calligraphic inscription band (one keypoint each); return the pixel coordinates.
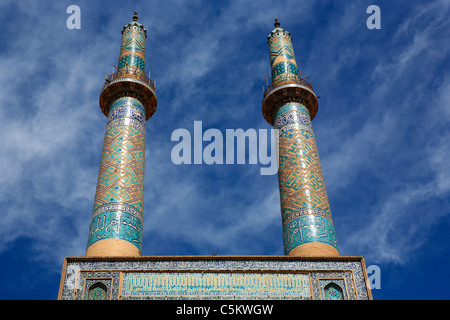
(213, 284)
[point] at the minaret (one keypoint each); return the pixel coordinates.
(128, 99)
(289, 105)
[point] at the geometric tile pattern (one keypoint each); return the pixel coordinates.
(133, 39)
(333, 292)
(305, 208)
(119, 198)
(280, 45)
(283, 67)
(132, 60)
(132, 49)
(92, 282)
(282, 58)
(98, 292)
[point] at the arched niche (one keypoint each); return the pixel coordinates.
(98, 291)
(333, 291)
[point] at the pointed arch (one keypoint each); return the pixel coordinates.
(98, 291)
(333, 291)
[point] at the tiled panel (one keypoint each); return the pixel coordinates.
(221, 277)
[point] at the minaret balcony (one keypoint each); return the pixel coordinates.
(284, 79)
(130, 72)
(132, 82)
(286, 88)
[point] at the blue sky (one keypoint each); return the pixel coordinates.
(382, 131)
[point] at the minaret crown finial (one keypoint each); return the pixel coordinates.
(135, 17)
(277, 23)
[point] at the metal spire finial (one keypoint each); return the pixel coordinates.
(277, 23)
(135, 17)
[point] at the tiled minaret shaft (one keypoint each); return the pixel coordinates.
(289, 105)
(128, 99)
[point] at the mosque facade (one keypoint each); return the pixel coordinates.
(113, 267)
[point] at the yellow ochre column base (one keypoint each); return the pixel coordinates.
(112, 248)
(314, 249)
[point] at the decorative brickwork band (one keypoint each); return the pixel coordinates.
(128, 100)
(289, 105)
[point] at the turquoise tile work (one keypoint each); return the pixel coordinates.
(213, 284)
(219, 277)
(283, 67)
(133, 61)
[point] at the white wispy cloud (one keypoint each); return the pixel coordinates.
(49, 179)
(52, 129)
(393, 136)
